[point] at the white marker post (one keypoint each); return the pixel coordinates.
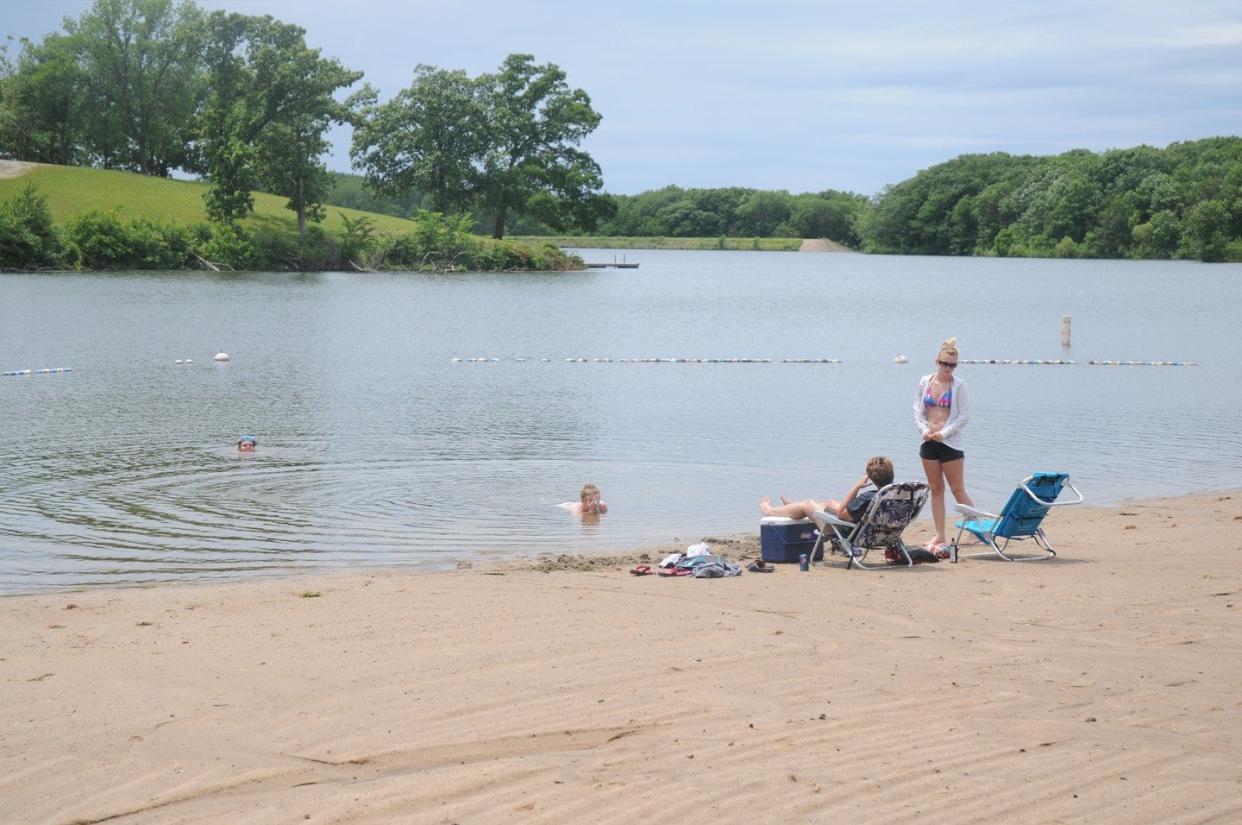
(1065, 331)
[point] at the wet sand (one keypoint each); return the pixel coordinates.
(1100, 687)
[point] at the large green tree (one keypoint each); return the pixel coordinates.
(506, 142)
(142, 66)
(533, 164)
(428, 138)
(43, 102)
(271, 102)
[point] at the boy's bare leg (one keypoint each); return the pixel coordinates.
(796, 509)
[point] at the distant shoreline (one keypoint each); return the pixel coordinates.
(619, 242)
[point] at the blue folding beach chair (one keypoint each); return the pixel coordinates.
(1020, 518)
(880, 527)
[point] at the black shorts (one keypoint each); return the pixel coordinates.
(939, 451)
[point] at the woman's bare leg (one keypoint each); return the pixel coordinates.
(935, 482)
(955, 475)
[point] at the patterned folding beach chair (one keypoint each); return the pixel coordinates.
(1020, 518)
(880, 527)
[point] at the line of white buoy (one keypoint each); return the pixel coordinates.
(1061, 362)
(44, 371)
(652, 360)
(1143, 363)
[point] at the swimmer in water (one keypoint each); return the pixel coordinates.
(588, 502)
(246, 444)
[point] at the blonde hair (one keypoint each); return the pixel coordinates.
(880, 471)
(948, 347)
(588, 491)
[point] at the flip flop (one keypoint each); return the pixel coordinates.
(641, 570)
(758, 566)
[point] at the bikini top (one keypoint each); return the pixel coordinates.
(945, 400)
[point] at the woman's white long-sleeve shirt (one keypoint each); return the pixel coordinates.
(959, 412)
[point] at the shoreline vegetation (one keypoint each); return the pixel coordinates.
(565, 689)
(61, 218)
(614, 242)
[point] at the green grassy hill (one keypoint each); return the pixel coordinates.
(72, 190)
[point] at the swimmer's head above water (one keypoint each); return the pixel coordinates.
(589, 500)
(246, 444)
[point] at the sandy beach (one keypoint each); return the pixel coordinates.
(1101, 687)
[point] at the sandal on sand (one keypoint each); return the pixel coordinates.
(758, 566)
(641, 570)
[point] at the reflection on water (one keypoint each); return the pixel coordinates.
(376, 448)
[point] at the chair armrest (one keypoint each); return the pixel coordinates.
(823, 518)
(1039, 500)
(967, 510)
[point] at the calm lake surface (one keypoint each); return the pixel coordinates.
(376, 448)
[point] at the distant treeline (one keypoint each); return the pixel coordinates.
(1184, 201)
(671, 212)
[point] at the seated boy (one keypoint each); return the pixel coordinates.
(850, 508)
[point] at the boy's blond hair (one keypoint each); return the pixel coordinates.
(588, 491)
(880, 471)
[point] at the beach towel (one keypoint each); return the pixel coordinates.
(692, 562)
(717, 570)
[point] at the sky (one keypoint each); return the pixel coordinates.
(803, 95)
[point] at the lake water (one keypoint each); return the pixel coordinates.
(376, 448)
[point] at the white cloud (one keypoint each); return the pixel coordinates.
(1207, 35)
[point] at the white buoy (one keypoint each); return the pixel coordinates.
(221, 356)
(901, 359)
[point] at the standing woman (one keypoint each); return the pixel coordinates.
(941, 411)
